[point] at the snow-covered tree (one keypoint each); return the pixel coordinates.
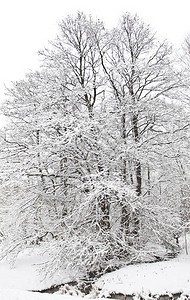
(92, 148)
(144, 86)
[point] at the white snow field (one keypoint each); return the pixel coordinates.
(25, 274)
(18, 282)
(149, 278)
(6, 294)
(158, 278)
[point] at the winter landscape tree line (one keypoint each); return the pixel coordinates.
(95, 156)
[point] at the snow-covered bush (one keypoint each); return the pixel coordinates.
(87, 249)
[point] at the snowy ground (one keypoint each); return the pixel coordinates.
(167, 277)
(18, 282)
(25, 275)
(6, 294)
(156, 278)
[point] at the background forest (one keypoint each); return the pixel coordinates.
(95, 156)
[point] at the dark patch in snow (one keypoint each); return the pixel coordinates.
(55, 288)
(121, 296)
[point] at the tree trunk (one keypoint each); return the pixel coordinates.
(104, 204)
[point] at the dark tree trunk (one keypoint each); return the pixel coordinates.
(104, 204)
(148, 175)
(138, 164)
(39, 158)
(139, 178)
(125, 220)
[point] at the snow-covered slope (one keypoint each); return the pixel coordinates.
(8, 294)
(26, 276)
(156, 278)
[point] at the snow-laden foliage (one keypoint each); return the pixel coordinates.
(93, 157)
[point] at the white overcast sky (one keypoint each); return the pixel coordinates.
(27, 25)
